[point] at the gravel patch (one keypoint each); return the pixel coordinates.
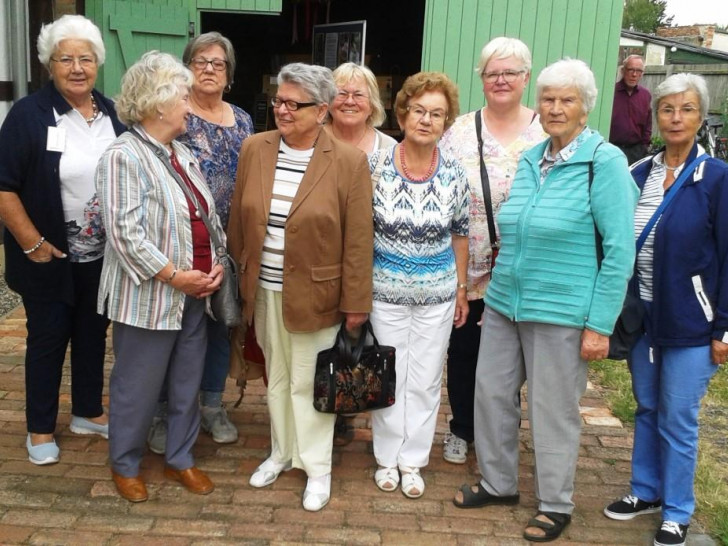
(9, 300)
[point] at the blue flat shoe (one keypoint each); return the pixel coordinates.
(81, 425)
(41, 454)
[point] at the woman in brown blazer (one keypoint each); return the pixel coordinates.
(301, 229)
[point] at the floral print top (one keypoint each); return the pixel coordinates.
(501, 163)
(217, 148)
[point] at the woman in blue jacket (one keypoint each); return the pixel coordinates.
(682, 279)
(550, 307)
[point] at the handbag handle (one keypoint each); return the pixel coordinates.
(344, 347)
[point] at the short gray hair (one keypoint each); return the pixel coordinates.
(679, 83)
(69, 27)
(316, 81)
(346, 72)
(569, 73)
(151, 82)
(502, 48)
(203, 41)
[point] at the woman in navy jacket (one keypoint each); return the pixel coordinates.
(50, 143)
(682, 279)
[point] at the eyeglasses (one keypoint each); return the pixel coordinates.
(200, 63)
(669, 111)
(419, 112)
(508, 75)
(634, 70)
(358, 96)
(86, 61)
(291, 105)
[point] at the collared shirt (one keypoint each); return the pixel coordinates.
(631, 116)
(148, 225)
(548, 161)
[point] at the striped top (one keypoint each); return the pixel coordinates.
(651, 198)
(148, 225)
(290, 168)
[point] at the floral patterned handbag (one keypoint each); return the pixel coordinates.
(353, 379)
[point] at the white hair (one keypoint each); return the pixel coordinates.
(679, 83)
(69, 27)
(502, 48)
(316, 81)
(153, 81)
(569, 73)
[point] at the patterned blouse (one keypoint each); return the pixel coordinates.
(217, 147)
(414, 262)
(501, 163)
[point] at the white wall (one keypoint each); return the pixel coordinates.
(720, 41)
(655, 55)
(4, 56)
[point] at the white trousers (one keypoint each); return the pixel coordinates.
(298, 432)
(403, 433)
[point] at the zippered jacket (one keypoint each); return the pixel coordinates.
(547, 268)
(690, 263)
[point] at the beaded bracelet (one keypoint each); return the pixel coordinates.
(35, 247)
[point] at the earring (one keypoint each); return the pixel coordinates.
(161, 116)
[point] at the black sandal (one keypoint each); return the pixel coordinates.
(552, 530)
(476, 499)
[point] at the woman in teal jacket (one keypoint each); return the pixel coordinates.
(551, 306)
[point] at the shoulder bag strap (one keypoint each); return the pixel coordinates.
(377, 174)
(188, 193)
(485, 182)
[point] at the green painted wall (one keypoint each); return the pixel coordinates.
(132, 27)
(456, 31)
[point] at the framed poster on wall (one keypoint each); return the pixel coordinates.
(338, 43)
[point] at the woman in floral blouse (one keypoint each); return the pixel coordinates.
(508, 129)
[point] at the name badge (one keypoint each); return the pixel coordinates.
(56, 139)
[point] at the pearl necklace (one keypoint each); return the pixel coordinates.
(95, 108)
(406, 171)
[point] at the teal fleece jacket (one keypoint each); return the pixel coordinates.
(547, 268)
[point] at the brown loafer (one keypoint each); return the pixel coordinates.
(131, 489)
(192, 478)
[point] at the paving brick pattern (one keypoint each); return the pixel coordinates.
(74, 502)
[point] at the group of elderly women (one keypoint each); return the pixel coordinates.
(103, 228)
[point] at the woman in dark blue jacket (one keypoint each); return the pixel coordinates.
(682, 279)
(50, 143)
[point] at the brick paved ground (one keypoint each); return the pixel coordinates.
(74, 502)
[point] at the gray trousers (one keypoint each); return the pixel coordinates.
(546, 356)
(143, 358)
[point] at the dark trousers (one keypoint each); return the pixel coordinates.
(51, 326)
(462, 360)
(634, 152)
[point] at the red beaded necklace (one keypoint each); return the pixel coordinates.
(408, 174)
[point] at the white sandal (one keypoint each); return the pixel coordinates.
(387, 479)
(268, 472)
(413, 486)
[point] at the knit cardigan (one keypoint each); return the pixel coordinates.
(547, 268)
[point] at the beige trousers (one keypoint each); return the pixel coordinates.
(298, 432)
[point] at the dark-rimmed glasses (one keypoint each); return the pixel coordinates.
(291, 105)
(200, 63)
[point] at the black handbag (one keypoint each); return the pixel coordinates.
(225, 303)
(353, 379)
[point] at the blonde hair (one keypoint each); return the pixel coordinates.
(346, 72)
(153, 81)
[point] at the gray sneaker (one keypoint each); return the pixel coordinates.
(215, 421)
(157, 437)
(455, 450)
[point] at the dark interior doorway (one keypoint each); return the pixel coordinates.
(264, 42)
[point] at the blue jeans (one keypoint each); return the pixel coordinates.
(217, 359)
(668, 391)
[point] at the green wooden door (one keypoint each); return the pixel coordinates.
(456, 31)
(132, 27)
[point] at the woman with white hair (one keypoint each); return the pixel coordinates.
(50, 143)
(551, 306)
(507, 128)
(158, 269)
(301, 227)
(681, 277)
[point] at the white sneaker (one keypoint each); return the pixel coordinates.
(268, 472)
(455, 450)
(317, 493)
(216, 422)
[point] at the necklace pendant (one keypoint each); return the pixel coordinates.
(197, 213)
